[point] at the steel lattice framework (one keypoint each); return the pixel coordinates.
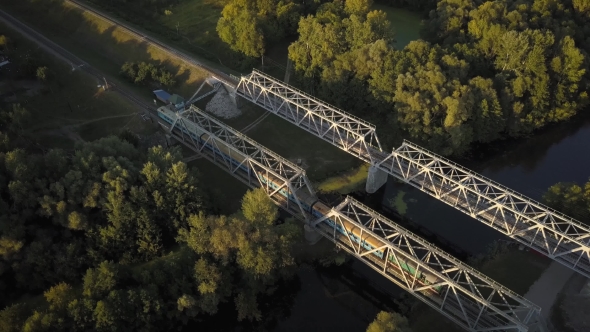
(519, 217)
(461, 293)
(523, 219)
(253, 162)
(344, 130)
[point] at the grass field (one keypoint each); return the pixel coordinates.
(406, 24)
(319, 158)
(516, 270)
(69, 98)
(100, 43)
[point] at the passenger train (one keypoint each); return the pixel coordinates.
(313, 206)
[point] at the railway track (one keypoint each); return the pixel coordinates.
(154, 42)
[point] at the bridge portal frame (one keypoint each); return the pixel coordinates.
(256, 158)
(331, 124)
(468, 298)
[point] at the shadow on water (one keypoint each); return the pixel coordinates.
(527, 152)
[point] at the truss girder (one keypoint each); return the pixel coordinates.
(240, 151)
(461, 293)
(531, 223)
(344, 130)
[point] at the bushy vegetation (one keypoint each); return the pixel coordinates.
(92, 229)
(389, 322)
(144, 72)
(486, 69)
(570, 198)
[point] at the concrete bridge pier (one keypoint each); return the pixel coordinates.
(234, 96)
(375, 179)
(311, 236)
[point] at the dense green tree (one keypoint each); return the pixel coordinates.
(492, 68)
(389, 322)
(145, 72)
(570, 198)
(247, 26)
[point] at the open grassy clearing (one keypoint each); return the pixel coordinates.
(100, 43)
(406, 24)
(346, 183)
(319, 158)
(196, 20)
(68, 98)
(517, 270)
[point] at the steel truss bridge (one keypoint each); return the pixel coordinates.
(462, 294)
(255, 163)
(531, 223)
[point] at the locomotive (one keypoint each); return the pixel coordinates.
(311, 204)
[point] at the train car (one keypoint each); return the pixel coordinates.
(370, 243)
(309, 203)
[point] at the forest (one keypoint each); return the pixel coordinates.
(571, 197)
(115, 238)
(483, 71)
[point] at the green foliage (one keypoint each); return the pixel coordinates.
(90, 228)
(13, 317)
(238, 28)
(570, 198)
(252, 243)
(106, 201)
(389, 322)
(144, 72)
(491, 69)
(43, 73)
(4, 42)
(128, 136)
(258, 208)
(247, 26)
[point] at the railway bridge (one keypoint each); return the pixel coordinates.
(521, 218)
(461, 293)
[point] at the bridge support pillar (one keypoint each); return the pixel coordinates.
(170, 140)
(375, 180)
(311, 236)
(234, 97)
